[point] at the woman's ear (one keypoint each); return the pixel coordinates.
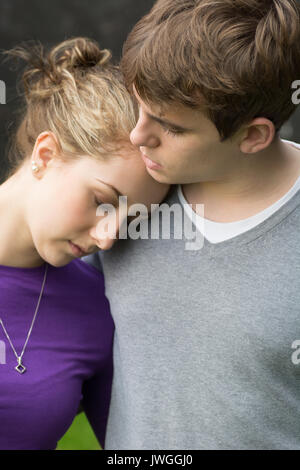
(257, 136)
(46, 153)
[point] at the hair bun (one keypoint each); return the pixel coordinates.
(78, 52)
(45, 72)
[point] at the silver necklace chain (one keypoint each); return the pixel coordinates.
(20, 367)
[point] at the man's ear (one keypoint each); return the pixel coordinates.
(257, 136)
(46, 152)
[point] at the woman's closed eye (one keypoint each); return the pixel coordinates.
(98, 202)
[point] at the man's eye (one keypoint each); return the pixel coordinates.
(173, 132)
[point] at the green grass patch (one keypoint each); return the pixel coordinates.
(79, 436)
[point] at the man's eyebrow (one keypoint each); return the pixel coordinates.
(117, 194)
(165, 122)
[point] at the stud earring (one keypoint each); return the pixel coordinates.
(34, 166)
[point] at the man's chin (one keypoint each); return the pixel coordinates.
(161, 177)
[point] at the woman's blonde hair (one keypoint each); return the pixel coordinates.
(75, 92)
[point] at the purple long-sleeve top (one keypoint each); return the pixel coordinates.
(68, 356)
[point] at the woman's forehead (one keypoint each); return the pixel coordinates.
(128, 177)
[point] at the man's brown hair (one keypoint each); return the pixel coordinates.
(234, 59)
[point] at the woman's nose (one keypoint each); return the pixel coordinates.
(106, 232)
(103, 241)
(105, 244)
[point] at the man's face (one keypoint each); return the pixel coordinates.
(181, 145)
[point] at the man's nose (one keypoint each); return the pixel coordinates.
(143, 135)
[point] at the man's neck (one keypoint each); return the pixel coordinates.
(257, 184)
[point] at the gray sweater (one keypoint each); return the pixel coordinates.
(205, 350)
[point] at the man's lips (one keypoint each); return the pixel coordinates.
(150, 163)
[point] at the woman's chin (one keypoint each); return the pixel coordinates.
(57, 259)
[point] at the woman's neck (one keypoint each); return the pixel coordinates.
(16, 244)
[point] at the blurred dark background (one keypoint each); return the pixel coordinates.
(107, 21)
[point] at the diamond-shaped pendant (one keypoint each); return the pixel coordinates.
(20, 368)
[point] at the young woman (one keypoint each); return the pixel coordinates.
(71, 153)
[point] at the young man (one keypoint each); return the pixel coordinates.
(206, 352)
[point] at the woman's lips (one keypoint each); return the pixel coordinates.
(150, 164)
(76, 250)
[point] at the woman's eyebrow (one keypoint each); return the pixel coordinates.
(117, 194)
